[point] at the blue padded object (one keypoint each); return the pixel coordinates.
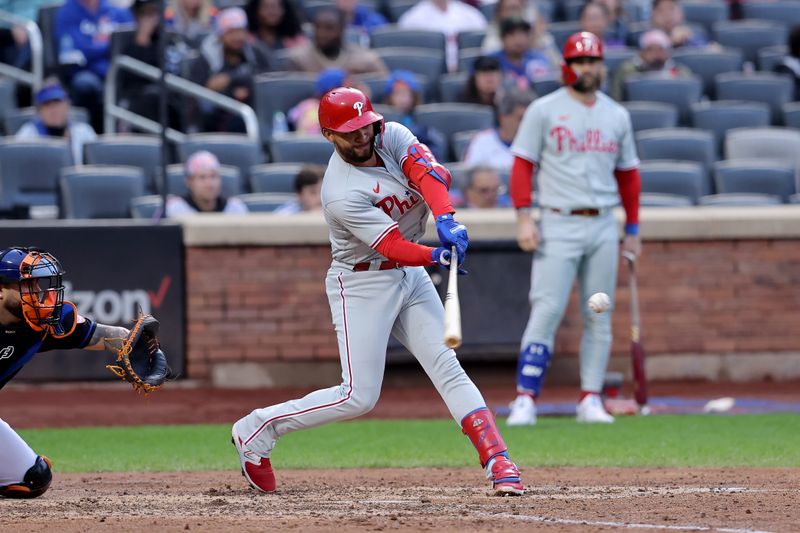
(452, 233)
(533, 363)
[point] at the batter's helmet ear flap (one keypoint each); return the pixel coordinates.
(568, 75)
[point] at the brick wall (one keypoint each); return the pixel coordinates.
(268, 303)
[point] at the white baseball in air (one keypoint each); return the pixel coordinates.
(599, 302)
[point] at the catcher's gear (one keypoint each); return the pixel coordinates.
(580, 44)
(38, 276)
(140, 360)
(346, 109)
(35, 483)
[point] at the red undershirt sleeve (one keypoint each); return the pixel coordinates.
(629, 183)
(521, 185)
(396, 248)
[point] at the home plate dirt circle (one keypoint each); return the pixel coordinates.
(560, 499)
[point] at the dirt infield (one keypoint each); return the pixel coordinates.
(563, 499)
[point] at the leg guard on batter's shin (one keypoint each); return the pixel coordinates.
(35, 483)
(482, 431)
(533, 363)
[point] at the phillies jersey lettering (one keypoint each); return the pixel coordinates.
(577, 148)
(364, 204)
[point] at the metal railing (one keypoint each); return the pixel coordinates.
(114, 112)
(34, 77)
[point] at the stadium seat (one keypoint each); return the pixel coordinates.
(785, 12)
(30, 169)
(391, 36)
(467, 57)
(571, 9)
(771, 89)
(685, 179)
(231, 149)
(424, 61)
(274, 177)
(546, 85)
(614, 57)
(649, 115)
(791, 115)
(8, 100)
(708, 62)
(770, 57)
(146, 207)
(657, 199)
(461, 142)
(231, 180)
(143, 151)
(265, 202)
(681, 144)
(300, 148)
(453, 118)
(281, 62)
(755, 176)
(100, 191)
(121, 37)
(739, 200)
(774, 144)
(470, 39)
(388, 113)
(279, 92)
(705, 12)
(451, 86)
(681, 92)
(720, 116)
(749, 35)
(14, 119)
(562, 30)
(45, 19)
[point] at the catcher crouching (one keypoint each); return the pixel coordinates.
(35, 318)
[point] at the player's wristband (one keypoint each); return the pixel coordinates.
(631, 229)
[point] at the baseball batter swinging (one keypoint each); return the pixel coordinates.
(376, 194)
(582, 143)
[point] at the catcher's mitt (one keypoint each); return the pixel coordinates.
(140, 360)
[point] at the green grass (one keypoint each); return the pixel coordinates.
(711, 441)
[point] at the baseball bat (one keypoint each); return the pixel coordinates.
(452, 307)
(637, 348)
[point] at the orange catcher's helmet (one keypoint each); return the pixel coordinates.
(581, 44)
(346, 109)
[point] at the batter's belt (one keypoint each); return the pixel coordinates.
(384, 265)
(581, 212)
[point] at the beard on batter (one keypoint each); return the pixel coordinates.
(358, 155)
(587, 83)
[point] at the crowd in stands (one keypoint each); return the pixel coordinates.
(498, 56)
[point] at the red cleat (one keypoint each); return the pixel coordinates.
(505, 476)
(256, 469)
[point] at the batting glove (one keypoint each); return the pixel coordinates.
(441, 256)
(452, 233)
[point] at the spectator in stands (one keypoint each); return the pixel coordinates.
(205, 190)
(655, 56)
(361, 19)
(596, 18)
(304, 117)
(227, 65)
(192, 19)
(617, 30)
(447, 16)
(485, 81)
(329, 49)
(492, 147)
(307, 185)
(83, 31)
(142, 94)
(52, 120)
(483, 189)
(404, 93)
(667, 16)
(520, 65)
(275, 24)
(790, 64)
(541, 40)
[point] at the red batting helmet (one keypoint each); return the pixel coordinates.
(581, 44)
(346, 109)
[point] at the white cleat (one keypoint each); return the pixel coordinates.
(591, 411)
(523, 411)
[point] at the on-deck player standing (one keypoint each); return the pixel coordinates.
(376, 193)
(35, 318)
(582, 144)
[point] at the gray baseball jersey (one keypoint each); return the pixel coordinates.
(363, 204)
(577, 148)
